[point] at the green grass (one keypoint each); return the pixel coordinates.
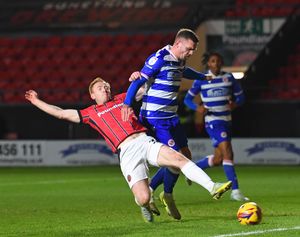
(96, 201)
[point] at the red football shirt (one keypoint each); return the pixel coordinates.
(107, 120)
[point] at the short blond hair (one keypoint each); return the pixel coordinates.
(187, 34)
(97, 79)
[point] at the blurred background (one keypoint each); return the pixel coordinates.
(58, 47)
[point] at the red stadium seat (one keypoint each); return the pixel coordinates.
(54, 41)
(105, 40)
(88, 40)
(21, 42)
(6, 42)
(71, 41)
(122, 39)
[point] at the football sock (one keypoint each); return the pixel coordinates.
(170, 179)
(230, 173)
(194, 173)
(157, 179)
(205, 162)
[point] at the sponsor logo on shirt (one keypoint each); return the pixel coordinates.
(174, 75)
(109, 109)
(217, 92)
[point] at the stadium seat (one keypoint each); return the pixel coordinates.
(6, 42)
(54, 41)
(70, 41)
(70, 62)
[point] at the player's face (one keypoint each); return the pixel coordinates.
(100, 92)
(186, 47)
(214, 64)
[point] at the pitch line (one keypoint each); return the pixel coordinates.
(55, 181)
(259, 232)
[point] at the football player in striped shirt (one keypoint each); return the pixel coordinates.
(128, 138)
(162, 75)
(219, 95)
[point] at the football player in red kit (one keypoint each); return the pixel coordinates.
(128, 138)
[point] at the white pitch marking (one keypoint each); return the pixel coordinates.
(259, 232)
(54, 182)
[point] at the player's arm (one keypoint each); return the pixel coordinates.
(192, 74)
(134, 91)
(238, 95)
(189, 100)
(151, 67)
(65, 114)
(136, 76)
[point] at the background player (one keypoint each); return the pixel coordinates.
(128, 138)
(162, 74)
(220, 96)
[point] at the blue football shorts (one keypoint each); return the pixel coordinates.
(219, 131)
(167, 131)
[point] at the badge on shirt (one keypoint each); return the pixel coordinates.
(152, 60)
(225, 79)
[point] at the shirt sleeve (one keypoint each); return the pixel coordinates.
(192, 74)
(238, 93)
(152, 66)
(190, 95)
(84, 115)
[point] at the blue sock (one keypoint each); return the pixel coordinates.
(203, 163)
(170, 180)
(230, 174)
(157, 179)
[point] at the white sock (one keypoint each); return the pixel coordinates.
(194, 173)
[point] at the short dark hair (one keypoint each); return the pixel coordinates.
(187, 34)
(206, 56)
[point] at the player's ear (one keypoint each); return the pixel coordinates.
(93, 96)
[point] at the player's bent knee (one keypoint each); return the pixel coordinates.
(143, 199)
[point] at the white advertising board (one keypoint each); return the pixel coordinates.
(56, 153)
(266, 151)
(275, 151)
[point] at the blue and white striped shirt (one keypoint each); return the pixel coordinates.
(163, 72)
(216, 95)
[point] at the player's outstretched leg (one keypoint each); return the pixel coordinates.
(219, 189)
(204, 163)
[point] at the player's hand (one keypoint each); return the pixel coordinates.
(31, 95)
(232, 105)
(201, 109)
(135, 75)
(126, 111)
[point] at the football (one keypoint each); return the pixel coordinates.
(249, 214)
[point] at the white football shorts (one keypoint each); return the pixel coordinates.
(135, 155)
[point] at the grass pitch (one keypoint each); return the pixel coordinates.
(96, 201)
